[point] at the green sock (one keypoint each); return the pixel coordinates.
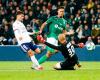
(42, 59)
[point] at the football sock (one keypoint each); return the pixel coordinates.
(43, 59)
(34, 60)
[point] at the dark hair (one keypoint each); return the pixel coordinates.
(61, 7)
(19, 12)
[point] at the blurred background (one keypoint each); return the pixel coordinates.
(83, 16)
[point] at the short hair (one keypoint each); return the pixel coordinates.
(19, 12)
(61, 7)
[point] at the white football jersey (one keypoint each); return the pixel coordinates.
(20, 31)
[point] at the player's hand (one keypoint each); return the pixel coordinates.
(40, 38)
(40, 32)
(71, 32)
(81, 45)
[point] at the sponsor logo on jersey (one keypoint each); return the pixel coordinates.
(56, 26)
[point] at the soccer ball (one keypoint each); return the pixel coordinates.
(90, 46)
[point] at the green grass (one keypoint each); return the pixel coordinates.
(11, 70)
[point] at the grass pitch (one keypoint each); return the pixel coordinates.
(13, 70)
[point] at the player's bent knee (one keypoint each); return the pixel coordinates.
(30, 53)
(37, 50)
(48, 54)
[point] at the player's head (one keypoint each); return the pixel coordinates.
(20, 15)
(60, 11)
(62, 38)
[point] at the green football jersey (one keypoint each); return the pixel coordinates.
(57, 25)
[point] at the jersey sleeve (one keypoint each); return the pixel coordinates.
(76, 45)
(49, 20)
(29, 33)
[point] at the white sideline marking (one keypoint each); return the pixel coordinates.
(21, 69)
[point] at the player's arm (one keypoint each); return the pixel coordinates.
(42, 27)
(71, 32)
(45, 23)
(17, 32)
(52, 46)
(75, 45)
(80, 45)
(41, 39)
(32, 33)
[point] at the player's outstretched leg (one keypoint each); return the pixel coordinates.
(44, 58)
(37, 67)
(62, 66)
(34, 60)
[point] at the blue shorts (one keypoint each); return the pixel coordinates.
(27, 46)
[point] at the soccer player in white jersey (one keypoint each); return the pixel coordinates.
(24, 39)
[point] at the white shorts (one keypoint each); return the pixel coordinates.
(52, 41)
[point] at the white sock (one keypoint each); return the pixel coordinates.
(34, 60)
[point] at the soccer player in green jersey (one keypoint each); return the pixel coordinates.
(57, 25)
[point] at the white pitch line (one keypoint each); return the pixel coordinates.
(11, 70)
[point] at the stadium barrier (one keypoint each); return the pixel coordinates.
(14, 53)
